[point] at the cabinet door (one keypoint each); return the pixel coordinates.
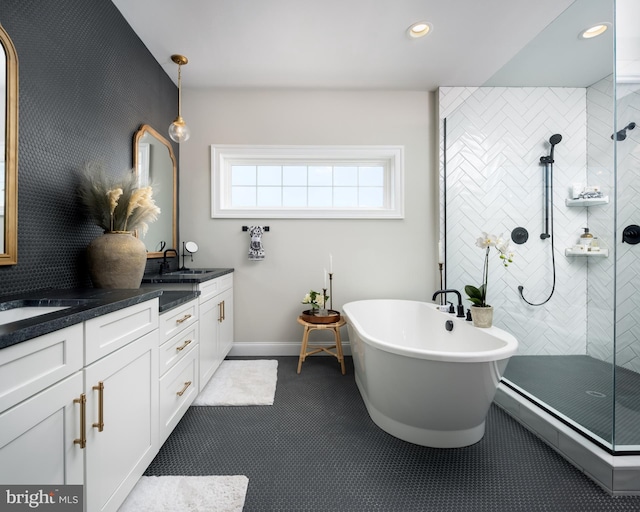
(37, 437)
(225, 332)
(210, 317)
(118, 452)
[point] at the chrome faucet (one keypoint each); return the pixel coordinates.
(460, 308)
(166, 265)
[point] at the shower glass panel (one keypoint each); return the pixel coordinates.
(579, 354)
(627, 151)
(495, 183)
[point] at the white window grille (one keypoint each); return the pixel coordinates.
(307, 181)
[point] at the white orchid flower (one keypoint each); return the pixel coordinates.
(486, 240)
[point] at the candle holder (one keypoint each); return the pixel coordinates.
(331, 290)
(442, 295)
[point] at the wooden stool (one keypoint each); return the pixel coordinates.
(308, 327)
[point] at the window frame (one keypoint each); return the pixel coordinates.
(223, 156)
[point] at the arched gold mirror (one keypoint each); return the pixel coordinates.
(155, 164)
(8, 151)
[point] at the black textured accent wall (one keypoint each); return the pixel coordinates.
(87, 83)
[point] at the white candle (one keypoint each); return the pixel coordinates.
(440, 253)
(325, 277)
(331, 263)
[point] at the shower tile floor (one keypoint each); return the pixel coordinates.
(581, 388)
(316, 449)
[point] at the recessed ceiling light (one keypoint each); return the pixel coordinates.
(594, 31)
(420, 29)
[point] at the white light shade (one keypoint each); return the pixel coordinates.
(179, 131)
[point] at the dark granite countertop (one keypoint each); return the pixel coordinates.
(83, 304)
(172, 299)
(197, 275)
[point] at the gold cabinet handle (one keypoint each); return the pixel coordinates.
(224, 312)
(186, 385)
(100, 389)
(183, 319)
(183, 346)
(220, 312)
(83, 420)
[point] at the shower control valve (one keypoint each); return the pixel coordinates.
(631, 234)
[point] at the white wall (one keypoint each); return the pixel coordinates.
(371, 258)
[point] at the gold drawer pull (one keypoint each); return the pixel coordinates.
(184, 318)
(186, 385)
(83, 420)
(100, 389)
(224, 313)
(220, 312)
(183, 346)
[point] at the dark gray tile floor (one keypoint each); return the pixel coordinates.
(316, 449)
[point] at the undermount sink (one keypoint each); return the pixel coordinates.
(8, 316)
(188, 271)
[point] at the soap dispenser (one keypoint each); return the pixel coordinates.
(585, 239)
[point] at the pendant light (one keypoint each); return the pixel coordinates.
(179, 131)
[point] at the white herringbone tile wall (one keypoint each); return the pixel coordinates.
(494, 183)
(601, 271)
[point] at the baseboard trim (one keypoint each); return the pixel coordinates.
(268, 348)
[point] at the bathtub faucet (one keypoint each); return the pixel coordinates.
(460, 308)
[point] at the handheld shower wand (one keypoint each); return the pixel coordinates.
(548, 216)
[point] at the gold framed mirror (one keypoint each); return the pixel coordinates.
(9, 151)
(155, 164)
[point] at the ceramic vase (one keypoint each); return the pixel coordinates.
(482, 316)
(116, 259)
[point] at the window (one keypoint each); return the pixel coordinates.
(307, 181)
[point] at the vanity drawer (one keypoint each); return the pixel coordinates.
(107, 333)
(178, 319)
(210, 289)
(30, 366)
(178, 347)
(182, 378)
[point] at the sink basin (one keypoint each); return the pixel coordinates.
(21, 313)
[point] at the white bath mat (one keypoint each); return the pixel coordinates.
(187, 494)
(241, 382)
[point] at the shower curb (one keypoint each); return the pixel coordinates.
(619, 475)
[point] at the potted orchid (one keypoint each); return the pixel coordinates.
(481, 312)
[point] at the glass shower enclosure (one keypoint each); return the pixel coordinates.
(574, 307)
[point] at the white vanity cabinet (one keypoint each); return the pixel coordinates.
(216, 324)
(121, 375)
(39, 422)
(178, 365)
(80, 406)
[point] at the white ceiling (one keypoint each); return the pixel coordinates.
(343, 44)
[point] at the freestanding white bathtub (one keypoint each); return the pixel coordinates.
(419, 381)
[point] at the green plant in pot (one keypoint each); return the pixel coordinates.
(122, 208)
(481, 312)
